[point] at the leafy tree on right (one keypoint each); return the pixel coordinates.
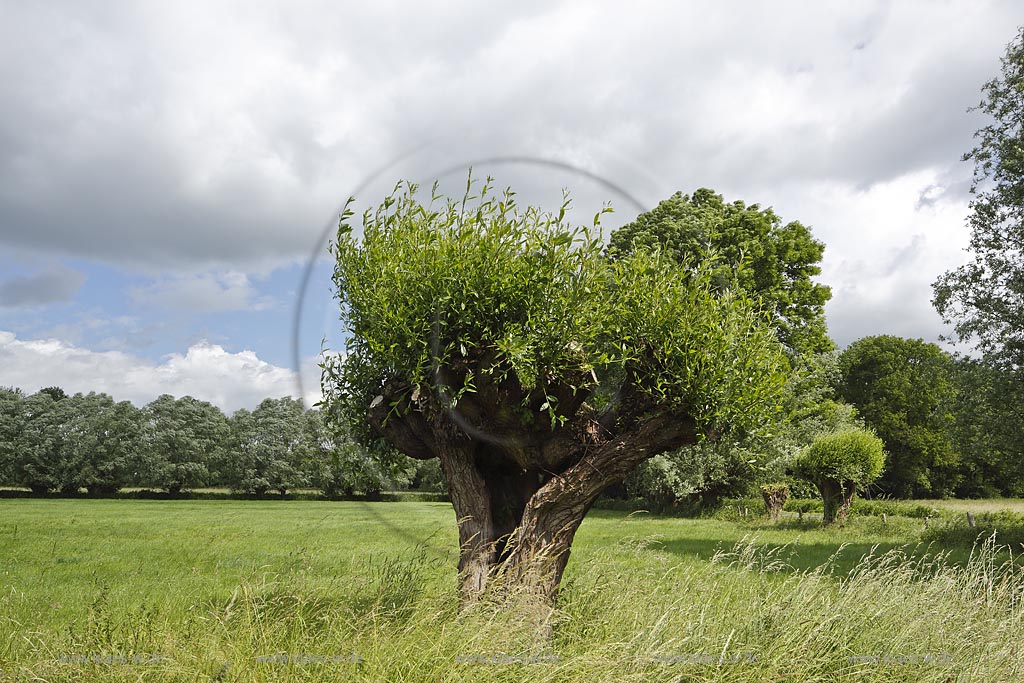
(903, 389)
(748, 248)
(984, 298)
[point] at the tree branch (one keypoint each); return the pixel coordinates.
(405, 426)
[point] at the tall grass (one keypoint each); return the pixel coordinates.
(630, 610)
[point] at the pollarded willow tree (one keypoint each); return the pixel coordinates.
(501, 341)
(839, 463)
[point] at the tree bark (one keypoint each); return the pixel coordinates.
(837, 497)
(470, 497)
(775, 498)
(829, 490)
(519, 497)
(541, 545)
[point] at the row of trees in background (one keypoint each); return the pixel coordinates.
(951, 426)
(51, 441)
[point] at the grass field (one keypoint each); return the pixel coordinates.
(137, 590)
(980, 505)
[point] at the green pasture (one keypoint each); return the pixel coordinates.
(140, 590)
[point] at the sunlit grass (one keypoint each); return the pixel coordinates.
(979, 505)
(255, 591)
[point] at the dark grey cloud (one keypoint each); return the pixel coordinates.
(190, 135)
(54, 286)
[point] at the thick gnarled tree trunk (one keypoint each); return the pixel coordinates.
(836, 497)
(520, 496)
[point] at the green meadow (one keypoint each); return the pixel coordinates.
(210, 590)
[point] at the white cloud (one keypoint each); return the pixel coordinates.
(203, 293)
(883, 250)
(205, 371)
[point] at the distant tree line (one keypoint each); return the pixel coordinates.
(54, 442)
(950, 425)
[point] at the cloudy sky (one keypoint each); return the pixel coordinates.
(167, 170)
